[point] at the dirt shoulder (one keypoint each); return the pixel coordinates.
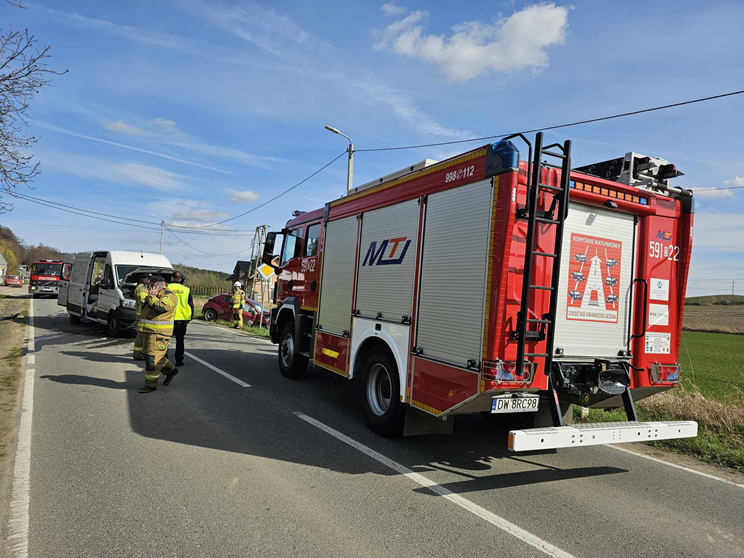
(13, 322)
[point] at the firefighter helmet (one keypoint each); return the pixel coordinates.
(238, 285)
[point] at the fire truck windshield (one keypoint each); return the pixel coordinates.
(54, 269)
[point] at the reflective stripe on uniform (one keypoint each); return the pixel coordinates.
(156, 322)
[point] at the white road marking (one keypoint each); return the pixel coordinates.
(464, 503)
(225, 374)
(21, 484)
(657, 460)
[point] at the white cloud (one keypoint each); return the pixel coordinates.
(712, 193)
(200, 215)
(245, 196)
(392, 9)
(718, 232)
(123, 128)
(736, 181)
(153, 177)
(508, 45)
(167, 125)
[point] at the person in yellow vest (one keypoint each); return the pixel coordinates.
(156, 322)
(238, 299)
(140, 294)
(184, 312)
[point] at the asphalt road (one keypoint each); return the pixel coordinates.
(208, 467)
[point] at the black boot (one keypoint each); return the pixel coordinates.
(147, 389)
(169, 377)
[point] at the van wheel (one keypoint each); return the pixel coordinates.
(380, 394)
(210, 315)
(112, 324)
(74, 320)
(291, 363)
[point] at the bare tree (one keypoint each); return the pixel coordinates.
(23, 73)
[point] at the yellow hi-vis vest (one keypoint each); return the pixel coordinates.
(183, 312)
(140, 294)
(158, 313)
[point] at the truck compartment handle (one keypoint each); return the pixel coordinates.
(645, 307)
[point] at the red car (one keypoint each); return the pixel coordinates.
(220, 308)
(14, 281)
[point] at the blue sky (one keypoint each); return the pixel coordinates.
(197, 110)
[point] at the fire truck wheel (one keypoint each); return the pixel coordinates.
(291, 363)
(112, 324)
(74, 320)
(380, 390)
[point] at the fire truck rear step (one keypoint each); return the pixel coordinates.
(598, 434)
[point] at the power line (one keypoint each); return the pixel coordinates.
(556, 127)
(202, 251)
(300, 183)
(119, 220)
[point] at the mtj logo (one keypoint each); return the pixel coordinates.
(376, 255)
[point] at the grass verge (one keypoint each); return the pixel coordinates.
(711, 392)
(259, 331)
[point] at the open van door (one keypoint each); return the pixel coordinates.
(77, 285)
(64, 280)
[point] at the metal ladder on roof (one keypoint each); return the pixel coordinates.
(531, 328)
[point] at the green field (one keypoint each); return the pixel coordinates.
(711, 392)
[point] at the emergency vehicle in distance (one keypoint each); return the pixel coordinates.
(365, 282)
(44, 278)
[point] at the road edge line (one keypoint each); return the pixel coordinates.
(682, 467)
(475, 509)
(212, 367)
(20, 493)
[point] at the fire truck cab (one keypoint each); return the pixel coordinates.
(488, 283)
(44, 278)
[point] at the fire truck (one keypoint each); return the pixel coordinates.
(489, 283)
(45, 275)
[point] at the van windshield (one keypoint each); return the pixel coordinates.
(124, 270)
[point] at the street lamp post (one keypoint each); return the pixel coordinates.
(350, 171)
(162, 230)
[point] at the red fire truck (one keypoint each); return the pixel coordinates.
(45, 275)
(488, 283)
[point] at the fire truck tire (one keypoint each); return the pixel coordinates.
(112, 324)
(74, 320)
(379, 391)
(291, 363)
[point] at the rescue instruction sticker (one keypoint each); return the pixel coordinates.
(658, 314)
(593, 279)
(658, 343)
(659, 289)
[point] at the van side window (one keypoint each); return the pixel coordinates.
(108, 277)
(311, 243)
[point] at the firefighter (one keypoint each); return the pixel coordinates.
(184, 312)
(97, 280)
(156, 322)
(140, 294)
(238, 299)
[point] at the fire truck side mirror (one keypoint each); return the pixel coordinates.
(268, 252)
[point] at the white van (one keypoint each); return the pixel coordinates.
(110, 300)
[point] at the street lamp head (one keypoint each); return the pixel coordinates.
(332, 129)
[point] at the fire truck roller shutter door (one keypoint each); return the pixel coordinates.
(453, 273)
(597, 269)
(387, 258)
(339, 252)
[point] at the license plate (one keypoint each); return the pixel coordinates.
(509, 404)
(47, 289)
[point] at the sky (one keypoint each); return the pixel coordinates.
(198, 110)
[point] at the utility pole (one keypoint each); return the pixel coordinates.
(350, 170)
(162, 232)
(733, 287)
